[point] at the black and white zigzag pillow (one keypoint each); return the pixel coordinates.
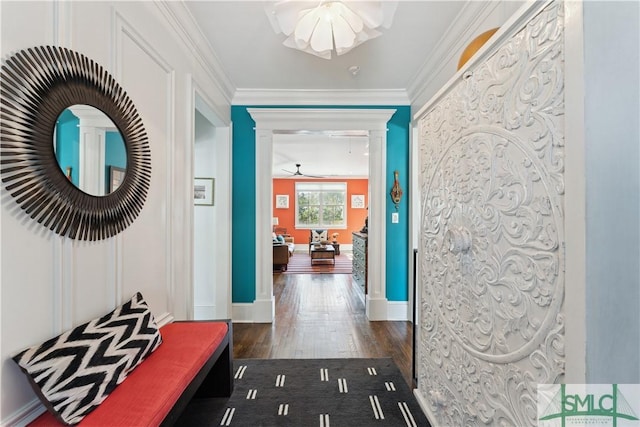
(74, 372)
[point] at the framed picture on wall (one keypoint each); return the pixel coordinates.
(116, 176)
(357, 201)
(203, 189)
(282, 201)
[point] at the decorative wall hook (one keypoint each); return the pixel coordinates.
(396, 191)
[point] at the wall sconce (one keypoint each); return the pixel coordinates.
(396, 191)
(274, 222)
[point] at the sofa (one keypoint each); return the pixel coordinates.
(280, 256)
(283, 248)
(284, 239)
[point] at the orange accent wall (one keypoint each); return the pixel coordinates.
(287, 218)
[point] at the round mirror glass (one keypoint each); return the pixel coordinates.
(90, 150)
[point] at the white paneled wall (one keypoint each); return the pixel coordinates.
(48, 283)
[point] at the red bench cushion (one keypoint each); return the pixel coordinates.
(151, 390)
(74, 372)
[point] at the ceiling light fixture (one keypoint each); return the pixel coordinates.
(319, 27)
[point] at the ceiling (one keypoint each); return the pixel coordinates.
(252, 56)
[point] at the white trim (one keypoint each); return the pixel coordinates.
(463, 28)
(242, 312)
(510, 27)
(321, 185)
(320, 119)
(264, 309)
(186, 28)
(376, 308)
(320, 97)
(25, 415)
(574, 197)
(373, 120)
(259, 311)
(376, 298)
(223, 161)
(264, 210)
(164, 319)
(398, 311)
(425, 408)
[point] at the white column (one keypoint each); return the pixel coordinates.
(264, 305)
(92, 160)
(376, 298)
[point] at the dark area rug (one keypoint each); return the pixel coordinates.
(311, 392)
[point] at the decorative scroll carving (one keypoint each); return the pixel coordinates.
(37, 84)
(492, 267)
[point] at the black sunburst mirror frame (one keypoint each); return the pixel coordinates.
(36, 86)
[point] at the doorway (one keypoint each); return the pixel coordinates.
(320, 181)
(211, 238)
(269, 120)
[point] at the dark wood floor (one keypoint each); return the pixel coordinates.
(322, 316)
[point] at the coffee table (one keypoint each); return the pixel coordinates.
(318, 253)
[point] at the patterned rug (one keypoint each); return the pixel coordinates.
(300, 263)
(311, 392)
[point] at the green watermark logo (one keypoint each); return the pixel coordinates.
(563, 405)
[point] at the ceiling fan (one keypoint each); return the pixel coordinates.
(298, 173)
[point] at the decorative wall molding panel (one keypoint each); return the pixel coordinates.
(492, 233)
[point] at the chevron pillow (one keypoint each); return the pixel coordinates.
(74, 372)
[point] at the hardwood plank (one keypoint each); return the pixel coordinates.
(322, 316)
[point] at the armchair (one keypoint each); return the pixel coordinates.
(317, 236)
(280, 257)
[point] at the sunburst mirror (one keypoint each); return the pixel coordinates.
(44, 93)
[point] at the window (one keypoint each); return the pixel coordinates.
(321, 205)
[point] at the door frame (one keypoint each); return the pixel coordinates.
(269, 120)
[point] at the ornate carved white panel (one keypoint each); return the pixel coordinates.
(492, 239)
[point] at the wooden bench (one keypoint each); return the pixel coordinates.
(195, 359)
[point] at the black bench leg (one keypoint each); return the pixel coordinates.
(219, 380)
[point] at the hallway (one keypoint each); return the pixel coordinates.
(322, 316)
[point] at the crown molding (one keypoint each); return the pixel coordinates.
(298, 97)
(186, 27)
(512, 25)
(463, 28)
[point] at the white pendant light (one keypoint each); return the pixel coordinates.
(320, 27)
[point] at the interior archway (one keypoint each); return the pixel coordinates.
(269, 120)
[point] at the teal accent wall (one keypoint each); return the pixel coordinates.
(243, 229)
(243, 269)
(397, 235)
(115, 154)
(68, 144)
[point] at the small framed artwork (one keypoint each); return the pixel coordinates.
(116, 176)
(203, 189)
(282, 201)
(357, 201)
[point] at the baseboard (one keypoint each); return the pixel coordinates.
(242, 312)
(376, 308)
(425, 407)
(398, 310)
(164, 319)
(25, 415)
(264, 311)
